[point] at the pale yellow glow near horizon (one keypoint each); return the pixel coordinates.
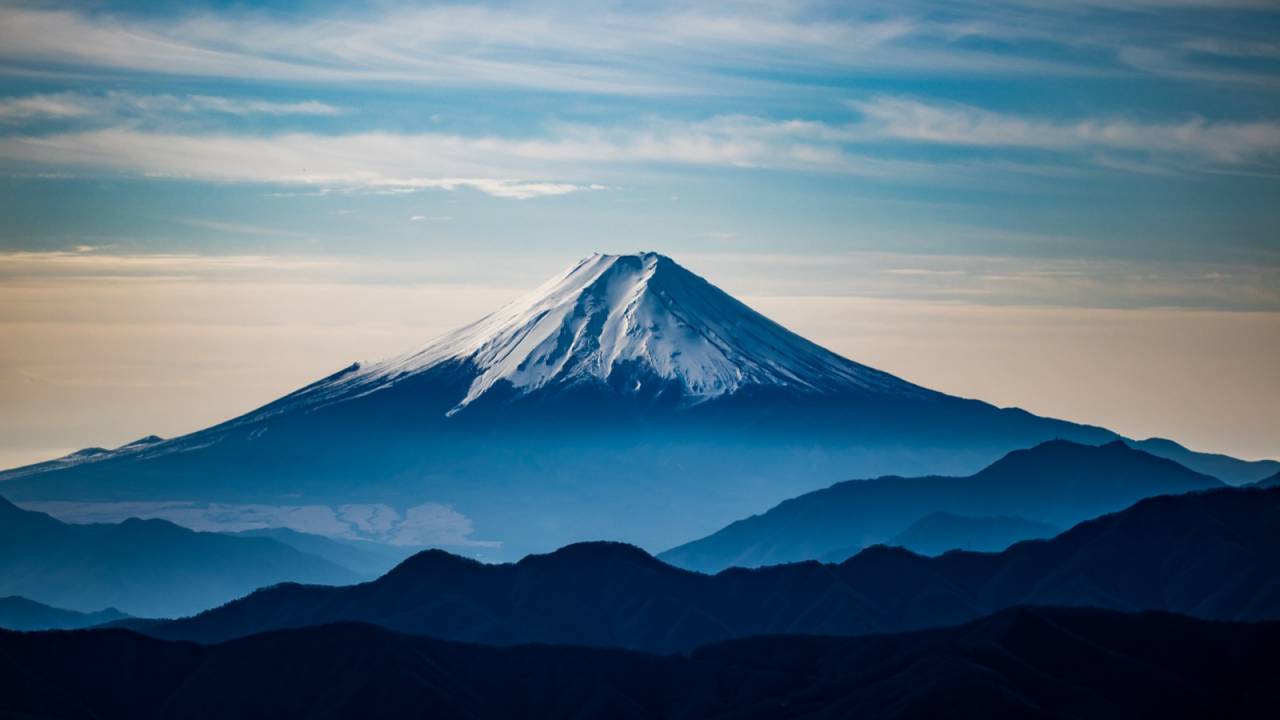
(101, 359)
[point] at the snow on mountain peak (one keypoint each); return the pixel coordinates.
(628, 320)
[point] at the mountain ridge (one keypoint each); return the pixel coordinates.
(612, 595)
(645, 311)
(1057, 483)
(143, 567)
(19, 613)
(1026, 662)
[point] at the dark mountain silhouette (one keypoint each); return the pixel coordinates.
(1020, 663)
(626, 399)
(1056, 483)
(1208, 554)
(939, 532)
(143, 567)
(365, 559)
(19, 613)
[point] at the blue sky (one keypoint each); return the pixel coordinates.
(1021, 128)
(1095, 155)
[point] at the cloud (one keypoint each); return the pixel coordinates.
(57, 106)
(1000, 279)
(567, 157)
(501, 167)
(427, 524)
(644, 49)
(117, 105)
(373, 162)
(896, 118)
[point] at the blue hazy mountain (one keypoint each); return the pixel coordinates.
(19, 613)
(1268, 482)
(143, 567)
(1021, 663)
(939, 532)
(363, 558)
(626, 398)
(1230, 470)
(1209, 554)
(1057, 483)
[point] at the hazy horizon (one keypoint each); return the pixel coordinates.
(1071, 209)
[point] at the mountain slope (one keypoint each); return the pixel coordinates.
(939, 532)
(1232, 471)
(1273, 481)
(364, 559)
(639, 324)
(1025, 663)
(1210, 554)
(608, 403)
(1057, 483)
(19, 613)
(144, 567)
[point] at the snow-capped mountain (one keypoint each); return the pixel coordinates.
(638, 325)
(625, 399)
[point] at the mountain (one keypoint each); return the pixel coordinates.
(939, 532)
(1273, 481)
(80, 456)
(626, 398)
(1232, 471)
(19, 613)
(1056, 483)
(1020, 663)
(1208, 554)
(143, 567)
(365, 559)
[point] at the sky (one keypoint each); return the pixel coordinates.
(1068, 207)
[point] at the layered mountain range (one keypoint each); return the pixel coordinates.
(19, 613)
(1055, 484)
(625, 399)
(1210, 554)
(143, 567)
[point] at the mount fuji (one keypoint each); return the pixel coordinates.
(625, 399)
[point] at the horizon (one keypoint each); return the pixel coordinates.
(799, 307)
(1067, 209)
(785, 308)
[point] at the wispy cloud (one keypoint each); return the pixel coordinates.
(569, 158)
(431, 524)
(116, 105)
(640, 49)
(56, 106)
(953, 124)
(376, 162)
(988, 279)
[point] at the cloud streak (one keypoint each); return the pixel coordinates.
(645, 49)
(117, 106)
(570, 158)
(1224, 142)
